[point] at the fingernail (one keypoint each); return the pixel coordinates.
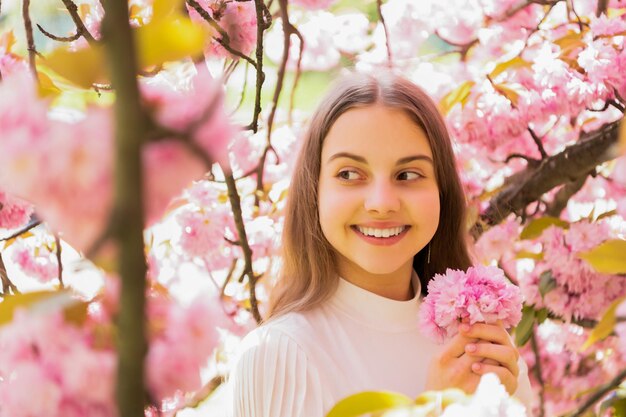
(465, 327)
(470, 348)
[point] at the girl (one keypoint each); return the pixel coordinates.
(375, 209)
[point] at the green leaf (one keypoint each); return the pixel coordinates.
(535, 228)
(615, 402)
(524, 329)
(458, 95)
(368, 402)
(605, 326)
(547, 283)
(542, 315)
(607, 258)
(44, 302)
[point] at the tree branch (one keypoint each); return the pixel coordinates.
(59, 263)
(130, 134)
(382, 21)
(59, 38)
(598, 394)
(529, 185)
(602, 6)
(564, 194)
(34, 222)
(235, 203)
(538, 374)
(7, 286)
(30, 40)
(261, 25)
(81, 29)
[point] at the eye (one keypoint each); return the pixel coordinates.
(409, 175)
(348, 175)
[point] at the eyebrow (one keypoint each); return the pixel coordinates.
(400, 161)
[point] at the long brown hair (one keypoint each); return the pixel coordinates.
(309, 274)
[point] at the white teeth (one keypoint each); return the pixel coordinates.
(370, 231)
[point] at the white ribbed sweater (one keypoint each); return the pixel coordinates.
(301, 364)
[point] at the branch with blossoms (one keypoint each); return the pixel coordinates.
(599, 394)
(573, 162)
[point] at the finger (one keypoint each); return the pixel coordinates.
(455, 347)
(506, 378)
(490, 332)
(505, 355)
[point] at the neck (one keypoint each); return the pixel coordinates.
(395, 285)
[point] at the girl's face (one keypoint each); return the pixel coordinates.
(378, 197)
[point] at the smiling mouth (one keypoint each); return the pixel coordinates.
(379, 232)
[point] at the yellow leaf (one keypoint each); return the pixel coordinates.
(607, 258)
(512, 63)
(535, 228)
(11, 241)
(42, 302)
(83, 67)
(570, 42)
(458, 95)
(164, 8)
(368, 402)
(47, 88)
(169, 39)
(507, 92)
(605, 326)
(7, 41)
(524, 254)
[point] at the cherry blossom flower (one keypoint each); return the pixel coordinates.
(482, 294)
(14, 212)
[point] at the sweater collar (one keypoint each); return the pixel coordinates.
(376, 311)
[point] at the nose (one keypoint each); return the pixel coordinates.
(382, 197)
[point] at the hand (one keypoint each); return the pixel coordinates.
(476, 350)
(494, 345)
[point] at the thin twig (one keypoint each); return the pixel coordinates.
(602, 6)
(235, 203)
(81, 29)
(59, 38)
(538, 372)
(229, 276)
(30, 40)
(263, 21)
(33, 222)
(59, 263)
(538, 142)
(601, 392)
(387, 41)
(224, 39)
(296, 78)
(7, 286)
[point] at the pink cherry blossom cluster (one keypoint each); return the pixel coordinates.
(482, 294)
(14, 212)
(36, 259)
(67, 166)
(70, 369)
(237, 19)
(49, 367)
(566, 371)
(579, 292)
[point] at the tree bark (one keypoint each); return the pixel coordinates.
(130, 133)
(574, 162)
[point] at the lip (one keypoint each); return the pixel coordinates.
(381, 241)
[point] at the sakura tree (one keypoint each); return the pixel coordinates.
(148, 144)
